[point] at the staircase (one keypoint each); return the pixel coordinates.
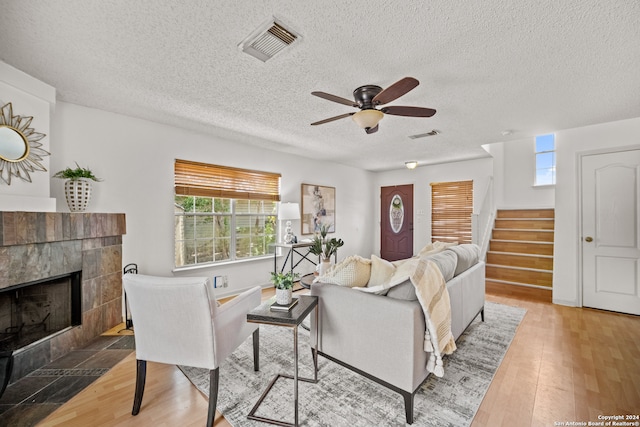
(521, 248)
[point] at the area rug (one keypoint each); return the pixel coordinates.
(343, 398)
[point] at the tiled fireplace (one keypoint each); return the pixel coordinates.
(62, 274)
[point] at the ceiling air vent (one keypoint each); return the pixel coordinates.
(424, 135)
(268, 40)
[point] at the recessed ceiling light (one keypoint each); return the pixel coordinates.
(411, 164)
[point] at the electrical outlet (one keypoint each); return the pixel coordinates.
(220, 281)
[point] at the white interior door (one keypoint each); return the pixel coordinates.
(610, 231)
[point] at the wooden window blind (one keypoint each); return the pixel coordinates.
(451, 210)
(205, 180)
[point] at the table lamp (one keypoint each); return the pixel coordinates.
(287, 212)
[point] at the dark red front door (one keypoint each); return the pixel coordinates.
(396, 222)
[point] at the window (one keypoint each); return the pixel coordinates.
(545, 160)
(451, 210)
(222, 213)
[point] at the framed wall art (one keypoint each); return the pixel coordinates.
(318, 208)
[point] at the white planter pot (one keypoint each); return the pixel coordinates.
(284, 296)
(325, 265)
(78, 194)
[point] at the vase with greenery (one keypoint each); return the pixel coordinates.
(324, 247)
(77, 187)
(283, 282)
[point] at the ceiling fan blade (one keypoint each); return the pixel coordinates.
(395, 91)
(408, 111)
(335, 98)
(372, 130)
(330, 119)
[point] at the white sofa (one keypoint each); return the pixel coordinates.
(382, 336)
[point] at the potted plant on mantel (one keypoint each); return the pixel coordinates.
(77, 187)
(283, 282)
(324, 248)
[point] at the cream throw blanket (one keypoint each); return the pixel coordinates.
(431, 290)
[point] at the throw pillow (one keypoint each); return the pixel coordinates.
(352, 271)
(468, 255)
(390, 275)
(381, 271)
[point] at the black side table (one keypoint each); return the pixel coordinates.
(292, 319)
(302, 249)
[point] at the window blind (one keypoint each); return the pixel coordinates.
(206, 180)
(451, 210)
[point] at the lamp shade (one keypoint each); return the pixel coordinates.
(288, 211)
(367, 118)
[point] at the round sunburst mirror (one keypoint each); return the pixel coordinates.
(20, 149)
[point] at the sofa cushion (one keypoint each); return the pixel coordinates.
(404, 291)
(352, 271)
(434, 248)
(447, 262)
(468, 255)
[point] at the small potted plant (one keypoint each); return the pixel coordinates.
(324, 248)
(77, 187)
(283, 282)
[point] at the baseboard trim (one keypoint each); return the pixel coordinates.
(566, 302)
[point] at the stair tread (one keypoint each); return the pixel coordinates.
(511, 267)
(519, 284)
(523, 229)
(535, 242)
(520, 254)
(513, 218)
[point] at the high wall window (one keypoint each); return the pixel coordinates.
(545, 159)
(223, 214)
(451, 210)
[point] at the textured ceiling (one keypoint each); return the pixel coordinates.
(485, 66)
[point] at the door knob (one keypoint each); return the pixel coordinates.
(588, 239)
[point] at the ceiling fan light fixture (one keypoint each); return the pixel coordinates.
(367, 118)
(411, 165)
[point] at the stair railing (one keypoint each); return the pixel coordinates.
(482, 221)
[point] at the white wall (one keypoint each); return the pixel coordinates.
(570, 145)
(135, 158)
(514, 174)
(513, 182)
(29, 98)
(479, 171)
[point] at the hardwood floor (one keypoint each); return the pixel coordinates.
(565, 364)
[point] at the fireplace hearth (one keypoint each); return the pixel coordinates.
(33, 311)
(72, 264)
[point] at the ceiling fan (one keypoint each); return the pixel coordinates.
(368, 97)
